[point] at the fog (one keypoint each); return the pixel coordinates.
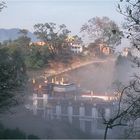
(125, 71)
(98, 77)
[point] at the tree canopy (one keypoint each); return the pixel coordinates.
(53, 35)
(12, 72)
(131, 14)
(103, 29)
(2, 5)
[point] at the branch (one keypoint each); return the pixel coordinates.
(2, 5)
(119, 107)
(118, 124)
(134, 86)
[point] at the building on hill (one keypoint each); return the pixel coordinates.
(75, 43)
(99, 48)
(125, 51)
(104, 49)
(39, 43)
(76, 48)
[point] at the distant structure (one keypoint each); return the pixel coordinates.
(126, 51)
(39, 43)
(72, 42)
(99, 48)
(76, 48)
(83, 114)
(58, 99)
(106, 50)
(75, 44)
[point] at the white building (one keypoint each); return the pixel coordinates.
(76, 48)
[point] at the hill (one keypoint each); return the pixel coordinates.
(6, 34)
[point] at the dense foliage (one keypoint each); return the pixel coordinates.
(37, 56)
(53, 35)
(12, 71)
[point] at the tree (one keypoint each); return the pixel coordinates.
(103, 29)
(12, 74)
(2, 5)
(23, 40)
(94, 47)
(34, 59)
(6, 133)
(132, 20)
(74, 39)
(128, 110)
(23, 32)
(52, 35)
(125, 111)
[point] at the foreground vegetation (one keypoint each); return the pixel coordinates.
(14, 134)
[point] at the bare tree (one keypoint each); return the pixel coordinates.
(131, 13)
(128, 105)
(2, 5)
(103, 29)
(53, 35)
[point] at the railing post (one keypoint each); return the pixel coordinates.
(81, 115)
(107, 113)
(94, 119)
(45, 101)
(35, 103)
(58, 111)
(70, 112)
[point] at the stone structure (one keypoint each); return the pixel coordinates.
(83, 111)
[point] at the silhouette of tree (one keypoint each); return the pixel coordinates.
(129, 96)
(103, 29)
(2, 5)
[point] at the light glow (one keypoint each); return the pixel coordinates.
(106, 98)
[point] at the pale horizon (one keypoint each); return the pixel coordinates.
(27, 13)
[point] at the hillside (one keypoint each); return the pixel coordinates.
(6, 34)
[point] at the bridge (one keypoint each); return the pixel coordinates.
(72, 67)
(71, 110)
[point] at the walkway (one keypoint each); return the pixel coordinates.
(75, 67)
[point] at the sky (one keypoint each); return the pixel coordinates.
(72, 13)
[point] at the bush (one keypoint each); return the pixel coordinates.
(14, 134)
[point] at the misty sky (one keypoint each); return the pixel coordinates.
(73, 13)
